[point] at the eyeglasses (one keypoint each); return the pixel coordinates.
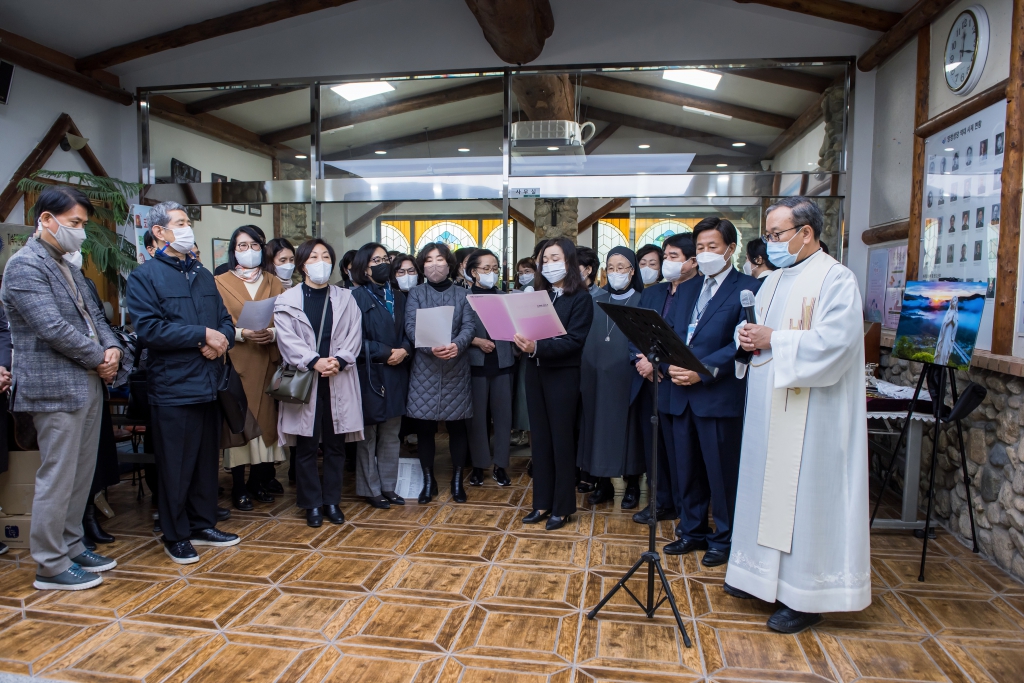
(774, 236)
(487, 269)
(618, 269)
(246, 246)
(405, 271)
(377, 260)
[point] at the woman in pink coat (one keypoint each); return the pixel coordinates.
(334, 413)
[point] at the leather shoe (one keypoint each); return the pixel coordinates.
(603, 493)
(476, 477)
(786, 620)
(736, 592)
(260, 494)
(684, 546)
(535, 517)
(92, 528)
(556, 522)
(181, 552)
(334, 514)
(214, 537)
(379, 502)
(273, 487)
(314, 517)
(242, 502)
(644, 516)
(501, 476)
(630, 499)
(584, 486)
(88, 543)
(223, 514)
(458, 493)
(529, 469)
(715, 557)
(393, 497)
(428, 486)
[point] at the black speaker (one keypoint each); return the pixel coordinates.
(6, 76)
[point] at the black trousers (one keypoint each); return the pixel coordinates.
(707, 456)
(458, 441)
(186, 442)
(309, 491)
(552, 398)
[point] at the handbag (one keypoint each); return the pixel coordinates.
(291, 384)
(231, 396)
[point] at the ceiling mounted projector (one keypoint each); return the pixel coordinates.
(548, 138)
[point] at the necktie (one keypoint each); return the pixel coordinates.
(705, 297)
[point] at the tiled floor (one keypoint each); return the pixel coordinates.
(466, 593)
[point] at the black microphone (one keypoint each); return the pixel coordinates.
(747, 301)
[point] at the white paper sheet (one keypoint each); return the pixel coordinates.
(256, 315)
(434, 326)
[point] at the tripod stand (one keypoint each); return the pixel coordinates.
(963, 405)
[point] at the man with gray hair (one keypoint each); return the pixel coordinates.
(180, 318)
(800, 538)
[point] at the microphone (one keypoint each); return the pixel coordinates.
(747, 301)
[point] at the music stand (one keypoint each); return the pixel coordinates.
(648, 330)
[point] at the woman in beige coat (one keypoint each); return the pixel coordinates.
(255, 358)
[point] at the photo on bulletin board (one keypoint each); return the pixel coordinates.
(939, 322)
(255, 209)
(237, 208)
(218, 178)
(220, 251)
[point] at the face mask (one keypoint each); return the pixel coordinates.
(285, 270)
(70, 239)
(553, 272)
(436, 271)
(250, 258)
(672, 270)
(648, 275)
(710, 263)
(487, 280)
(465, 275)
(381, 272)
(526, 279)
(618, 281)
(318, 272)
(184, 240)
(406, 282)
(778, 254)
(746, 268)
(74, 259)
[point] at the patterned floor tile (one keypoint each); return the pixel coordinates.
(30, 645)
(428, 626)
(434, 579)
(199, 604)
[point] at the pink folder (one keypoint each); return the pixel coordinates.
(529, 314)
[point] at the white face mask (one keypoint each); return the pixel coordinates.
(487, 280)
(74, 258)
(319, 272)
(70, 239)
(554, 272)
(648, 275)
(184, 239)
(746, 268)
(710, 262)
(618, 281)
(526, 279)
(672, 270)
(285, 270)
(406, 282)
(250, 258)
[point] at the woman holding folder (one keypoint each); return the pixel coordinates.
(255, 357)
(439, 386)
(553, 385)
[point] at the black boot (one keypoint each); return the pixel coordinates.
(458, 493)
(428, 484)
(476, 477)
(93, 531)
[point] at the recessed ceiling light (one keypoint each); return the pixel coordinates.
(301, 156)
(948, 149)
(739, 144)
(698, 77)
(811, 163)
(705, 112)
(380, 151)
(463, 149)
(644, 146)
(721, 165)
(552, 149)
(357, 91)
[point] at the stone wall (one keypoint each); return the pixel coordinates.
(994, 452)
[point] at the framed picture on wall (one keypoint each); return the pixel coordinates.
(237, 208)
(218, 178)
(220, 251)
(183, 173)
(255, 209)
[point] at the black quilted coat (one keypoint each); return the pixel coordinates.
(439, 389)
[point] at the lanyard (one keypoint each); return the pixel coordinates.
(389, 300)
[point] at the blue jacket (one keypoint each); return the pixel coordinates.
(712, 342)
(171, 304)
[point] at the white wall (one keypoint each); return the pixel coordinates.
(802, 155)
(211, 156)
(893, 149)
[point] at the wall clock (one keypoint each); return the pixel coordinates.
(966, 50)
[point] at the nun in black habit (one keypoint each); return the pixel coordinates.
(608, 446)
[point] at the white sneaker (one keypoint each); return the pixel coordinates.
(74, 578)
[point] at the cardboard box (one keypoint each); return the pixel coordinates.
(18, 483)
(16, 499)
(22, 466)
(16, 530)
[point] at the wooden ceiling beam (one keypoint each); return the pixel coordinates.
(368, 217)
(836, 10)
(481, 88)
(972, 105)
(237, 96)
(917, 17)
(48, 54)
(172, 110)
(669, 129)
(242, 20)
(785, 77)
(649, 92)
(601, 213)
(515, 29)
(417, 138)
(64, 75)
(515, 214)
(600, 138)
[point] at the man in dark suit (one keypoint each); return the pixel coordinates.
(705, 412)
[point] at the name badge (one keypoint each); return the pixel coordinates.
(690, 329)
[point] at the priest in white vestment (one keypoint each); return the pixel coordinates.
(800, 535)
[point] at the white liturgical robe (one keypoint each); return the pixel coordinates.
(827, 567)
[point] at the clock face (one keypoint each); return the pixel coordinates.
(962, 48)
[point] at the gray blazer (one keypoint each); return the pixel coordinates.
(53, 352)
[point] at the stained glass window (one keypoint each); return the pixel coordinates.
(393, 239)
(455, 236)
(494, 243)
(657, 233)
(608, 236)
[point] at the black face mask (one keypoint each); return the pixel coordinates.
(380, 273)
